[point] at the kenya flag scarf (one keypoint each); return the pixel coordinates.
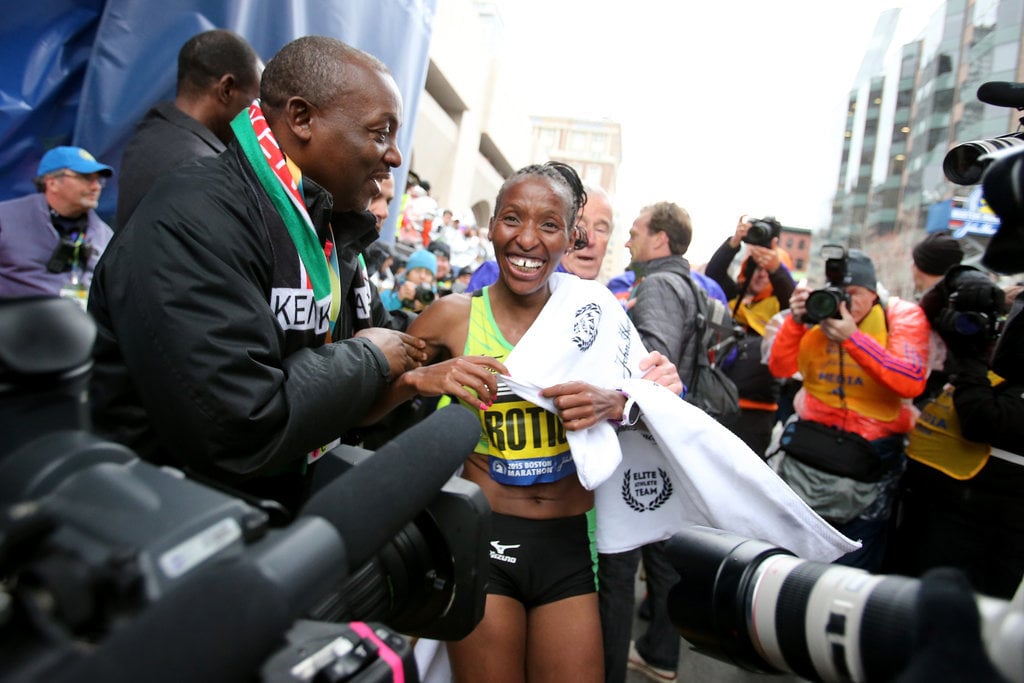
(271, 167)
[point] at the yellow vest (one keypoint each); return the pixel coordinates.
(756, 314)
(818, 362)
(937, 441)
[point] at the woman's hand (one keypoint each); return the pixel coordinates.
(581, 405)
(468, 378)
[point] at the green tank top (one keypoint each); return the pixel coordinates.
(524, 443)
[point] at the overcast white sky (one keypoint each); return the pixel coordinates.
(727, 106)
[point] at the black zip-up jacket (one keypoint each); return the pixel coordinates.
(193, 366)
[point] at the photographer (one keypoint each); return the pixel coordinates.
(761, 290)
(844, 454)
(962, 503)
(414, 289)
(51, 241)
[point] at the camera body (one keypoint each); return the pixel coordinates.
(67, 253)
(425, 294)
(762, 231)
(824, 303)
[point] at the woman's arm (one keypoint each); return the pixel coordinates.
(469, 378)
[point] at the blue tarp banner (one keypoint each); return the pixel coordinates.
(84, 72)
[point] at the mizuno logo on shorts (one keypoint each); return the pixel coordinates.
(499, 552)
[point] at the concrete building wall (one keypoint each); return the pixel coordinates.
(470, 134)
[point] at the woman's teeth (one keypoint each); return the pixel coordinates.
(525, 263)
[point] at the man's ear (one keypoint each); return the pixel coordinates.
(226, 87)
(299, 115)
(661, 238)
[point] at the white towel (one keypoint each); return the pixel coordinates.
(684, 469)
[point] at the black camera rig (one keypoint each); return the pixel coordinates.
(114, 569)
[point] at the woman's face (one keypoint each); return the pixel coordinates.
(530, 232)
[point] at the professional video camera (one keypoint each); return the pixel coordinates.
(824, 303)
(114, 569)
(761, 608)
(762, 231)
(965, 163)
(1000, 168)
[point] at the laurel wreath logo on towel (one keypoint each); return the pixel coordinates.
(584, 326)
(645, 484)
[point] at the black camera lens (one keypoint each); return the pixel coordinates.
(822, 304)
(759, 607)
(425, 294)
(968, 323)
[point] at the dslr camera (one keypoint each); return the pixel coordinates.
(762, 231)
(824, 303)
(66, 254)
(425, 294)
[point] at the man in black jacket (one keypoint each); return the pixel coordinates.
(218, 76)
(239, 335)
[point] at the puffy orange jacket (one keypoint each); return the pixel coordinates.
(901, 367)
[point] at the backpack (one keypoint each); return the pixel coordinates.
(710, 389)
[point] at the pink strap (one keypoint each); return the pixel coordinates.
(386, 653)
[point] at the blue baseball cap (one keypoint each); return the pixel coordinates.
(73, 158)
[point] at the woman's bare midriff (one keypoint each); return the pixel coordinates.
(563, 498)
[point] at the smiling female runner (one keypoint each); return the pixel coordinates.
(541, 619)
